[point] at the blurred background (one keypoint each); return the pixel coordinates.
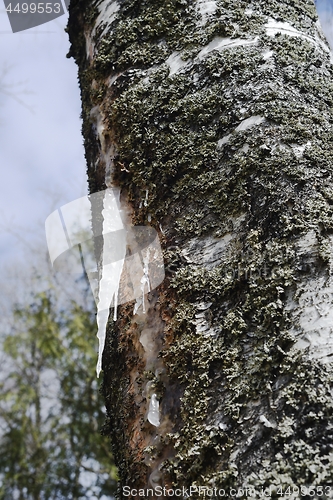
(50, 408)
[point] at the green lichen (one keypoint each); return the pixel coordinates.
(253, 186)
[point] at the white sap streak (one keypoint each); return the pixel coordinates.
(147, 341)
(145, 203)
(203, 320)
(97, 118)
(107, 152)
(250, 122)
(155, 478)
(205, 8)
(138, 303)
(245, 148)
(153, 411)
(219, 43)
(175, 61)
(210, 252)
(274, 27)
(266, 422)
(111, 271)
(224, 140)
(107, 13)
(267, 55)
(145, 283)
(315, 315)
(312, 305)
(299, 150)
(90, 47)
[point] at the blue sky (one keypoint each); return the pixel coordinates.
(325, 11)
(41, 153)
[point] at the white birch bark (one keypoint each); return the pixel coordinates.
(214, 118)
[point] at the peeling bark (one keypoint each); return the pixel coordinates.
(214, 118)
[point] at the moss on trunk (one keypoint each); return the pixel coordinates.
(222, 123)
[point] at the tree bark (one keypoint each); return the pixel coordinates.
(214, 118)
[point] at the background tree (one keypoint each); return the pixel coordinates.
(215, 120)
(50, 408)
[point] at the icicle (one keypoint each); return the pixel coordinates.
(71, 227)
(145, 278)
(147, 341)
(154, 412)
(138, 303)
(111, 271)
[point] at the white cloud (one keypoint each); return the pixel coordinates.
(41, 152)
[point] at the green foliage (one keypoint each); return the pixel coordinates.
(50, 407)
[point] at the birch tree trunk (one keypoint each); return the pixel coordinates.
(214, 118)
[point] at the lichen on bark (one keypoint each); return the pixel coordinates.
(234, 147)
